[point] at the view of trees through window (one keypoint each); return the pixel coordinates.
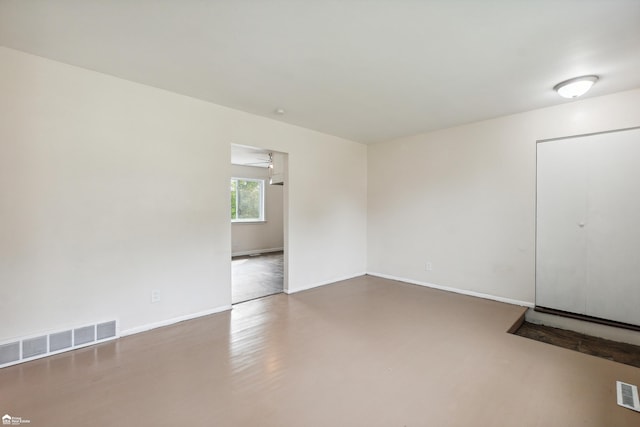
(247, 199)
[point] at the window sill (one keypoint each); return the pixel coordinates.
(249, 222)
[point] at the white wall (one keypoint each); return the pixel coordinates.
(109, 189)
(253, 236)
(464, 198)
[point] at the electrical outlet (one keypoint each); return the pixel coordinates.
(155, 295)
(428, 267)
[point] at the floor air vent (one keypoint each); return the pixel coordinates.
(31, 348)
(628, 396)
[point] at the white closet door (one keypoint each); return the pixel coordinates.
(613, 231)
(561, 245)
(588, 231)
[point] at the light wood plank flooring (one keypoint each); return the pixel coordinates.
(363, 352)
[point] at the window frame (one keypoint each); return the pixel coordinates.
(261, 199)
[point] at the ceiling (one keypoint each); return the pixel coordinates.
(368, 71)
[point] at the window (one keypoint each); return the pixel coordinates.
(247, 200)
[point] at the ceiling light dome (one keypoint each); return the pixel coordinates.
(576, 87)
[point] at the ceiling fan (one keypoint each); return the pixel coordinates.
(266, 163)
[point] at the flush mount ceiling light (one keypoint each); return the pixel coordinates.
(576, 87)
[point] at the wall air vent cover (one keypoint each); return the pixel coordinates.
(628, 395)
(35, 347)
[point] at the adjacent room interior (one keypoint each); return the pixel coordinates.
(318, 213)
(257, 223)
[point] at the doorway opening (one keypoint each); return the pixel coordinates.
(258, 223)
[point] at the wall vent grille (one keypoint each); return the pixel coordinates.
(628, 395)
(35, 347)
(9, 352)
(60, 341)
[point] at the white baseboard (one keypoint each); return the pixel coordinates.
(257, 251)
(327, 282)
(171, 321)
(455, 290)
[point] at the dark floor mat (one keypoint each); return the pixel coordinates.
(618, 352)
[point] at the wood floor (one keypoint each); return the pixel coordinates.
(628, 354)
(256, 276)
(363, 352)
